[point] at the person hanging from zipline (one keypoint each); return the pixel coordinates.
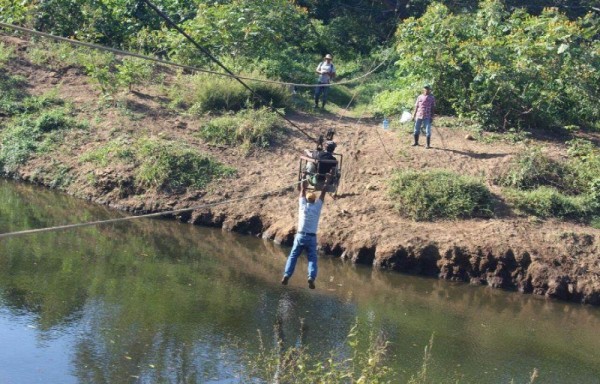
(309, 212)
(326, 71)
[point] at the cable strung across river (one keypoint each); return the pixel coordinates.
(149, 215)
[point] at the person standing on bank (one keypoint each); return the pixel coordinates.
(423, 115)
(326, 71)
(309, 211)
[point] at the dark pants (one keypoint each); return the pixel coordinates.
(321, 91)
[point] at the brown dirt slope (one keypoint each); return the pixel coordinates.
(551, 258)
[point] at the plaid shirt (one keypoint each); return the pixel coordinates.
(424, 106)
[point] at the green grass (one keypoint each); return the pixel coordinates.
(439, 194)
(548, 202)
(117, 150)
(30, 134)
(248, 128)
(203, 94)
(531, 169)
(171, 166)
(6, 53)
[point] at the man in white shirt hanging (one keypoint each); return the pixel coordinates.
(309, 212)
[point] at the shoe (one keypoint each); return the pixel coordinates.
(428, 143)
(285, 280)
(416, 140)
(311, 284)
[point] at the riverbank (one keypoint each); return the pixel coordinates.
(550, 258)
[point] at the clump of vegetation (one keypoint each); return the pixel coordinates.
(505, 69)
(117, 150)
(531, 169)
(364, 362)
(548, 202)
(439, 194)
(545, 188)
(29, 134)
(6, 53)
(203, 93)
(247, 128)
(173, 167)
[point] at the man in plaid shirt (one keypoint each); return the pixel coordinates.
(423, 114)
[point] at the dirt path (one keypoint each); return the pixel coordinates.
(551, 258)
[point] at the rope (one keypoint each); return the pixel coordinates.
(170, 63)
(149, 215)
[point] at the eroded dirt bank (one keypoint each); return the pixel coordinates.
(549, 258)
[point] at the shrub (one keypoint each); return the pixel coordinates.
(439, 195)
(248, 128)
(506, 70)
(174, 167)
(548, 202)
(531, 169)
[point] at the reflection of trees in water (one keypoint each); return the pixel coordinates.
(155, 292)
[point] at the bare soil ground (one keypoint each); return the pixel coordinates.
(552, 258)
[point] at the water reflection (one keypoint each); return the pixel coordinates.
(159, 301)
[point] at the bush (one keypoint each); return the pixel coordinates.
(531, 169)
(548, 202)
(248, 128)
(439, 195)
(506, 70)
(173, 167)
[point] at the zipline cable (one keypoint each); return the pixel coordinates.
(149, 215)
(121, 52)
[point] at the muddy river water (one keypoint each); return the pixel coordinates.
(156, 301)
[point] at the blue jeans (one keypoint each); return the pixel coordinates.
(303, 242)
(427, 122)
(321, 91)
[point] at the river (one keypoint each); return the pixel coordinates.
(156, 301)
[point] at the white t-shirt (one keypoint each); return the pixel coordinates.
(308, 215)
(329, 68)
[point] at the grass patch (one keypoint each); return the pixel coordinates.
(203, 94)
(439, 194)
(173, 167)
(28, 135)
(548, 202)
(531, 169)
(118, 150)
(6, 53)
(545, 188)
(247, 128)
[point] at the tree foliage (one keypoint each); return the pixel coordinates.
(505, 69)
